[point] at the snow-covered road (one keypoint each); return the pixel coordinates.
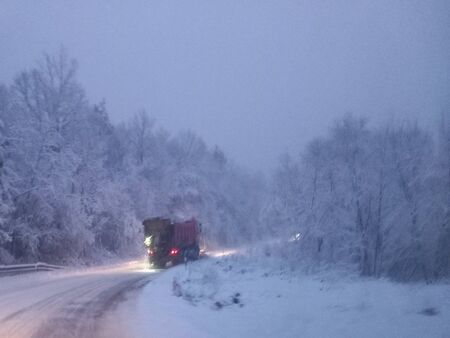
(225, 296)
(69, 304)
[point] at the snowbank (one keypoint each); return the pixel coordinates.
(231, 297)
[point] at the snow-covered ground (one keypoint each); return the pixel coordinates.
(236, 297)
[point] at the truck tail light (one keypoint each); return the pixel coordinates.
(173, 252)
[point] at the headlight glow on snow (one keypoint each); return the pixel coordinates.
(148, 241)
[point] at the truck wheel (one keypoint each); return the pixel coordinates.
(196, 252)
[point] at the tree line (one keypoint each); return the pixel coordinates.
(375, 198)
(75, 188)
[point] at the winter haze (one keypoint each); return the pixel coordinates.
(240, 168)
(257, 78)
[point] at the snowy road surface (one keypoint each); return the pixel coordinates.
(222, 297)
(69, 304)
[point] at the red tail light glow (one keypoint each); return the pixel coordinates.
(173, 252)
(150, 252)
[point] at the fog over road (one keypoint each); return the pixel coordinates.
(70, 304)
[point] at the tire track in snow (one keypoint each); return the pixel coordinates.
(80, 306)
(86, 319)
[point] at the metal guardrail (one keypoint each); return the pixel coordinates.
(25, 268)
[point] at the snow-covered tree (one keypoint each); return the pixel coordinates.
(375, 198)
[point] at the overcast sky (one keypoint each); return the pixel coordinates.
(255, 77)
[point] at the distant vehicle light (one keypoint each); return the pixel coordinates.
(173, 252)
(295, 237)
(150, 252)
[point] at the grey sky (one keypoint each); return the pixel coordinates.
(255, 77)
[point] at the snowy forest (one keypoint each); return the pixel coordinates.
(75, 187)
(377, 199)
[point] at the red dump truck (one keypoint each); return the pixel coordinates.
(171, 243)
